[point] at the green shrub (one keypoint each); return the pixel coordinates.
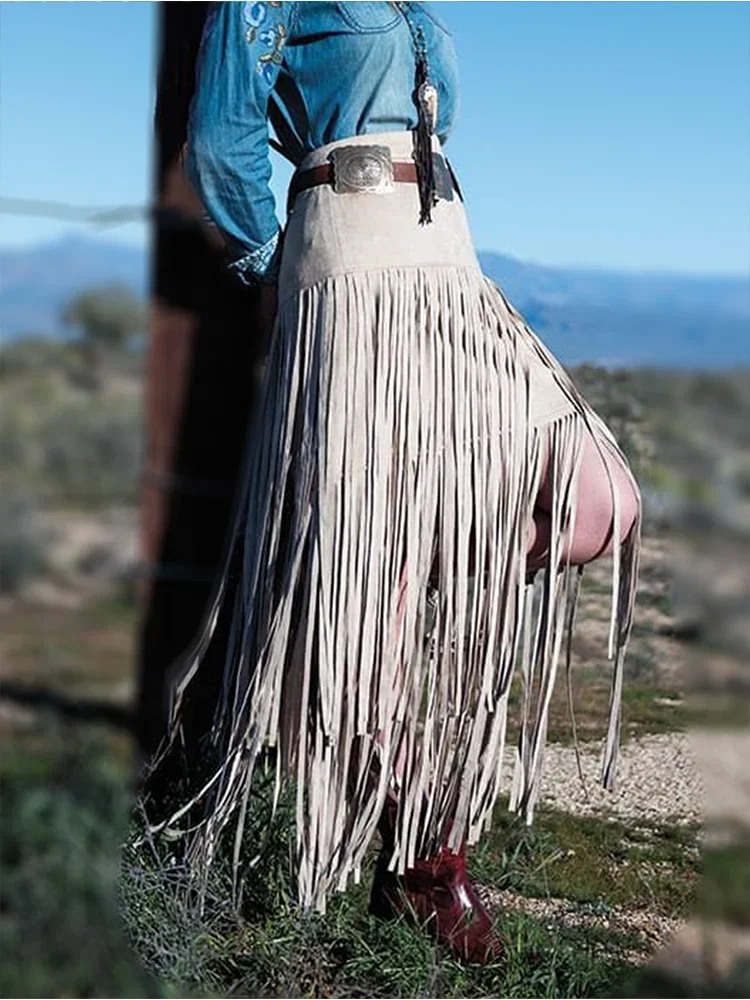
(22, 544)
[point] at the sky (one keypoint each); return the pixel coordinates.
(611, 135)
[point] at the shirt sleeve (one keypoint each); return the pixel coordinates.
(228, 155)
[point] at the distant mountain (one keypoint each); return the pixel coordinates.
(618, 318)
(612, 318)
(36, 283)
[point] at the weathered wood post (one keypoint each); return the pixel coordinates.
(199, 392)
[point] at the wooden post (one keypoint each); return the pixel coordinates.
(200, 390)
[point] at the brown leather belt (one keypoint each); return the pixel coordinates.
(403, 173)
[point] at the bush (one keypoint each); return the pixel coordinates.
(22, 544)
(29, 355)
(93, 452)
(69, 448)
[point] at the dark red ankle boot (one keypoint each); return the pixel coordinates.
(436, 893)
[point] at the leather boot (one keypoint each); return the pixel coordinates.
(437, 894)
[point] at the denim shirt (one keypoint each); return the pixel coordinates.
(320, 72)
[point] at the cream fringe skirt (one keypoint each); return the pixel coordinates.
(407, 418)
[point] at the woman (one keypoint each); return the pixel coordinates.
(413, 434)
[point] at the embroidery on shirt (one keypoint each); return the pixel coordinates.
(272, 37)
(254, 14)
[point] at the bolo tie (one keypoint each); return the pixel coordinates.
(425, 97)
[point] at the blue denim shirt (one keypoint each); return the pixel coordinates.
(320, 72)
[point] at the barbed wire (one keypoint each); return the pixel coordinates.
(102, 216)
(99, 216)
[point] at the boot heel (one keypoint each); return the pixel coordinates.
(385, 891)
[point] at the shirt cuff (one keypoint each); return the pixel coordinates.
(260, 266)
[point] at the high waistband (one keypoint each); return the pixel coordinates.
(331, 233)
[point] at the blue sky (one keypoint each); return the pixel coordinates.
(604, 134)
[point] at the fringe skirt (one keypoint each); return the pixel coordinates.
(407, 418)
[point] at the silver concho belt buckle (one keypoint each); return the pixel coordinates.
(362, 170)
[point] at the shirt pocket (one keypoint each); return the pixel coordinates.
(365, 17)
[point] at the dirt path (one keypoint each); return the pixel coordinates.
(658, 780)
(667, 777)
(651, 929)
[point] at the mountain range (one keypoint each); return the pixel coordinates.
(613, 318)
(36, 282)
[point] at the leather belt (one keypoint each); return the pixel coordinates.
(402, 173)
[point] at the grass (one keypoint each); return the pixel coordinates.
(587, 860)
(90, 650)
(725, 890)
(82, 918)
(646, 709)
(65, 811)
(71, 927)
(279, 952)
(66, 799)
